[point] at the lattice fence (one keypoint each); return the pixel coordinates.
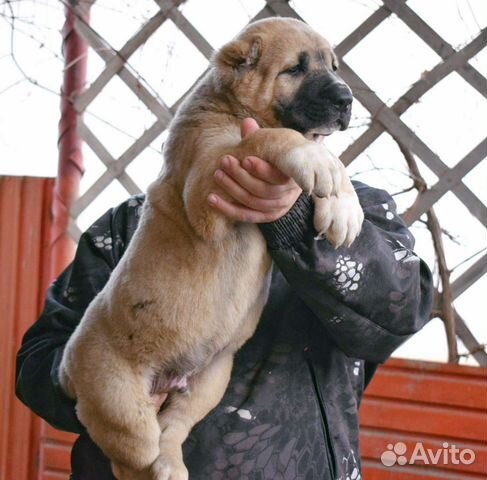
(383, 117)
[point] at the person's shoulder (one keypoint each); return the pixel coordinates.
(370, 196)
(131, 207)
(125, 216)
(118, 223)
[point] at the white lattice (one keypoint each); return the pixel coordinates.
(384, 117)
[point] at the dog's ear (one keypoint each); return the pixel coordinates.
(238, 57)
(240, 54)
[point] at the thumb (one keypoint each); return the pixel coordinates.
(248, 126)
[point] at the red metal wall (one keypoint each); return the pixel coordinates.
(24, 230)
(407, 401)
(29, 449)
(432, 403)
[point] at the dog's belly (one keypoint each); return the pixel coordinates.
(172, 312)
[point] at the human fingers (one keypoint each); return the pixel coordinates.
(241, 213)
(231, 167)
(259, 168)
(239, 194)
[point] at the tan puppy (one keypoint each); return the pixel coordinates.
(191, 286)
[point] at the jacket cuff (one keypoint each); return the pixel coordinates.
(291, 228)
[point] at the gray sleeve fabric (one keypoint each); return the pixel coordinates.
(370, 297)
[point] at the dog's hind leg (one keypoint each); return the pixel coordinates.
(183, 410)
(121, 419)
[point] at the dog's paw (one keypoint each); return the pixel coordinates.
(338, 218)
(165, 469)
(122, 472)
(313, 168)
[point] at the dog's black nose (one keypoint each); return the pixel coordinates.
(338, 94)
(343, 97)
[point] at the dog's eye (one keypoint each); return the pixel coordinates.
(296, 70)
(334, 66)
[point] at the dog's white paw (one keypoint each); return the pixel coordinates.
(338, 218)
(124, 473)
(313, 168)
(165, 469)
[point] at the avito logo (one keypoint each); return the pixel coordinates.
(448, 455)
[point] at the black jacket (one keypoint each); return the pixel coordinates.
(290, 411)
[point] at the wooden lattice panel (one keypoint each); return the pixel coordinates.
(383, 118)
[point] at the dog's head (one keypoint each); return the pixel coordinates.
(283, 73)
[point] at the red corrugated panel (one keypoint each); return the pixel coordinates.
(54, 452)
(24, 235)
(433, 404)
(407, 401)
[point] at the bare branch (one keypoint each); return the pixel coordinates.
(444, 231)
(480, 348)
(445, 301)
(468, 259)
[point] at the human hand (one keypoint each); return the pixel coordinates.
(259, 192)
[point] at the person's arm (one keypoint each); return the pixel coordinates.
(99, 250)
(370, 297)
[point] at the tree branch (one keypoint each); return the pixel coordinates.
(445, 301)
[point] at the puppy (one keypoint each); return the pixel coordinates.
(192, 284)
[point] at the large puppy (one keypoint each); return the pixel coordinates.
(191, 286)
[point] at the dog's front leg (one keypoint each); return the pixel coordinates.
(207, 223)
(338, 214)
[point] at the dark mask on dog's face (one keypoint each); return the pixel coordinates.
(321, 104)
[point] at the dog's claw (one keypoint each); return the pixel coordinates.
(338, 219)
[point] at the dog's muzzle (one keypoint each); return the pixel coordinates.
(322, 104)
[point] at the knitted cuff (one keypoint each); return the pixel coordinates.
(291, 228)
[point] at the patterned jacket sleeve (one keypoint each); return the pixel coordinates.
(99, 250)
(370, 297)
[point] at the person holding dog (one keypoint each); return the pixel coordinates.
(332, 316)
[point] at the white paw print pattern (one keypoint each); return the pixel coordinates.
(348, 273)
(241, 412)
(356, 368)
(69, 294)
(389, 214)
(134, 203)
(336, 319)
(103, 241)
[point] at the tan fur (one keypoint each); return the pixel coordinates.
(191, 286)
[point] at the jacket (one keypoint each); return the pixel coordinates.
(291, 408)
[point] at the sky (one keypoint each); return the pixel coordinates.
(450, 118)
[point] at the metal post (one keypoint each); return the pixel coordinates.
(70, 163)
